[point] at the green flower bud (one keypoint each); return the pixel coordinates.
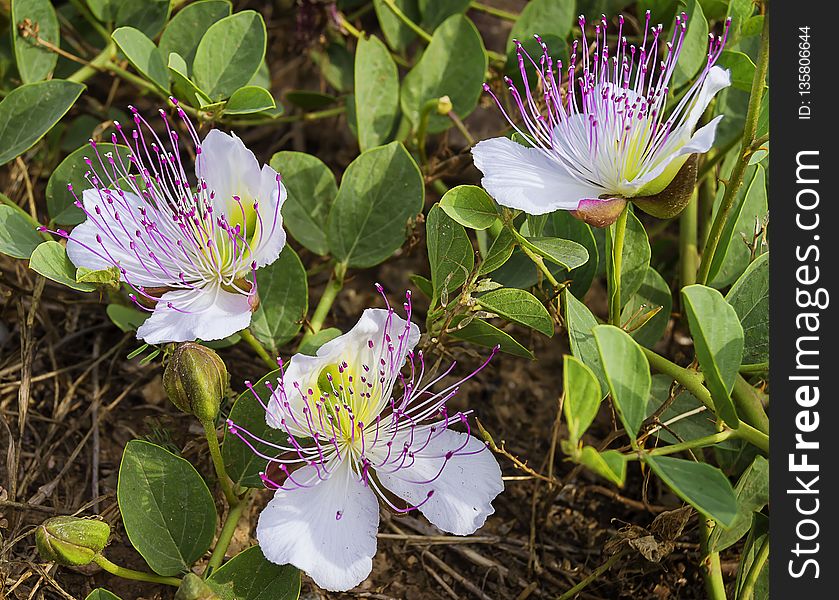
(600, 212)
(195, 380)
(71, 541)
(444, 105)
(194, 588)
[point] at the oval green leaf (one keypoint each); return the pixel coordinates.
(750, 298)
(582, 397)
(18, 235)
(450, 253)
(249, 576)
(249, 99)
(518, 306)
(470, 206)
(376, 93)
(50, 260)
(34, 62)
(183, 33)
(143, 55)
(482, 333)
(283, 300)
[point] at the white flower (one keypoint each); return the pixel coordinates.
(604, 133)
(189, 252)
(363, 425)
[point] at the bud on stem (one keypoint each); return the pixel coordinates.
(71, 541)
(195, 380)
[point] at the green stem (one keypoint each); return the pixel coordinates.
(258, 348)
(708, 440)
(422, 33)
(688, 249)
(537, 259)
(736, 179)
(132, 574)
(218, 463)
(461, 127)
(755, 369)
(615, 264)
(226, 534)
(495, 12)
(592, 577)
(425, 115)
(96, 65)
(692, 382)
(333, 288)
(82, 9)
(748, 590)
(749, 405)
(711, 568)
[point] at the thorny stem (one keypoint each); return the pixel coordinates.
(736, 179)
(254, 343)
(132, 574)
(615, 264)
(748, 589)
(333, 288)
(711, 568)
(226, 534)
(692, 382)
(592, 577)
(218, 463)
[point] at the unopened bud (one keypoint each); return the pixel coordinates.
(194, 588)
(195, 380)
(599, 212)
(444, 105)
(71, 541)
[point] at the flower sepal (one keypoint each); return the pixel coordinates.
(673, 199)
(194, 588)
(599, 212)
(71, 541)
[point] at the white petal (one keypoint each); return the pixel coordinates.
(229, 169)
(271, 236)
(301, 527)
(352, 347)
(716, 80)
(208, 313)
(85, 250)
(525, 179)
(464, 489)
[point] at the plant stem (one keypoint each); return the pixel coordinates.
(96, 65)
(461, 127)
(226, 534)
(258, 348)
(692, 382)
(593, 576)
(736, 179)
(748, 404)
(527, 248)
(615, 264)
(218, 463)
(425, 115)
(132, 574)
(754, 369)
(748, 589)
(495, 12)
(422, 33)
(688, 249)
(333, 288)
(708, 440)
(711, 568)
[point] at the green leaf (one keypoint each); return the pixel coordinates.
(482, 333)
(18, 236)
(565, 253)
(750, 298)
(752, 491)
(336, 64)
(470, 206)
(582, 397)
(757, 536)
(435, 12)
(560, 224)
(499, 253)
(101, 594)
(699, 484)
(50, 260)
(381, 189)
(627, 373)
(694, 53)
(376, 93)
(107, 277)
(686, 417)
(283, 300)
(149, 16)
(453, 65)
(229, 54)
(31, 110)
(249, 99)
(143, 55)
(581, 323)
(310, 345)
(609, 464)
(636, 257)
(397, 34)
(310, 100)
(183, 33)
(249, 576)
(71, 171)
(654, 293)
(125, 317)
(450, 253)
(168, 512)
(718, 340)
(423, 285)
(741, 67)
(242, 464)
(311, 191)
(543, 17)
(520, 307)
(184, 88)
(34, 62)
